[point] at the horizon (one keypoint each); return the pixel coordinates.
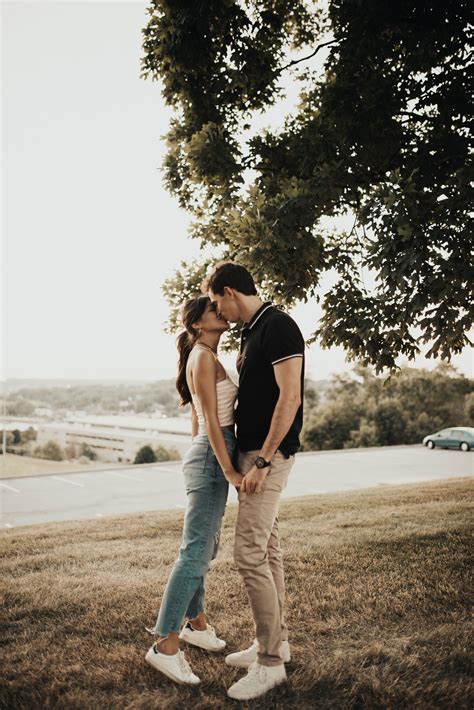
(119, 380)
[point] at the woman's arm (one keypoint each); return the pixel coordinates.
(204, 380)
(194, 422)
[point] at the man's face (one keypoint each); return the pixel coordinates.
(227, 305)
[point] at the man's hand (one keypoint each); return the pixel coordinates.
(253, 481)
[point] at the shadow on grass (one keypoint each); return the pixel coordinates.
(377, 607)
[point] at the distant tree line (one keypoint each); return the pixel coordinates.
(361, 409)
(96, 398)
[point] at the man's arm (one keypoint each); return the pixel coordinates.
(288, 378)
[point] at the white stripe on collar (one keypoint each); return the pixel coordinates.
(270, 305)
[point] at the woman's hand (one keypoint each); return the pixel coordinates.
(234, 477)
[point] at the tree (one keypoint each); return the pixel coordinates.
(145, 455)
(51, 450)
(329, 426)
(16, 436)
(311, 395)
(19, 408)
(145, 404)
(381, 134)
(365, 435)
(163, 453)
(30, 434)
(469, 408)
(420, 425)
(88, 452)
(390, 422)
(70, 451)
(440, 393)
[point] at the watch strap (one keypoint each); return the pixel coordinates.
(261, 462)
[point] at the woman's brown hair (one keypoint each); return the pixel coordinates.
(192, 311)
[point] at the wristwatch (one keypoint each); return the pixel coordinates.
(261, 463)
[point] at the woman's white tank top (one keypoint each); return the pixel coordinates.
(226, 391)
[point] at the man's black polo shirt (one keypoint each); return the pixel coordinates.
(271, 336)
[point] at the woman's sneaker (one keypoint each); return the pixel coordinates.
(258, 681)
(175, 667)
(244, 659)
(203, 639)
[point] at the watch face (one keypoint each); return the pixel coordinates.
(260, 462)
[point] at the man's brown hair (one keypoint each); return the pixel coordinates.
(226, 273)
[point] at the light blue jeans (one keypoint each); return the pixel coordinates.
(206, 489)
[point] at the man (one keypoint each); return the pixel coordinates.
(269, 417)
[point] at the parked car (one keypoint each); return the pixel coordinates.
(459, 438)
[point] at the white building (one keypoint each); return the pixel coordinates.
(117, 438)
(43, 412)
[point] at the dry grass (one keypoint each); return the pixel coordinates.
(15, 466)
(378, 606)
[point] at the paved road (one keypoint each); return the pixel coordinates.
(74, 496)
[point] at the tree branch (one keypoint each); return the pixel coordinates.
(417, 116)
(304, 59)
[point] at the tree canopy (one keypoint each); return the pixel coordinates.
(380, 134)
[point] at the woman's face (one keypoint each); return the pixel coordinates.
(210, 321)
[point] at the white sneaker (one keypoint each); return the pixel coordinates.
(175, 667)
(258, 681)
(203, 639)
(243, 659)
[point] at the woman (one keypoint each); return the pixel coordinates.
(208, 470)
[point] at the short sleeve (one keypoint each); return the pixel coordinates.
(282, 339)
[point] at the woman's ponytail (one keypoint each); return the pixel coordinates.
(185, 345)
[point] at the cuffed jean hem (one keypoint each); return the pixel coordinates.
(270, 664)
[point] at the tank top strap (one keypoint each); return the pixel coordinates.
(203, 347)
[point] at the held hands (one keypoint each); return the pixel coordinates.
(253, 480)
(235, 478)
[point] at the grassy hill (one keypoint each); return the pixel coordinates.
(378, 594)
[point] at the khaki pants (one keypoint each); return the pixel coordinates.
(258, 555)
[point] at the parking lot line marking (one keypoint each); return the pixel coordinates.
(124, 475)
(10, 488)
(167, 470)
(65, 480)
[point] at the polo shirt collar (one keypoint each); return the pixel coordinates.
(257, 315)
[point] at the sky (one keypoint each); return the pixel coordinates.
(89, 232)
